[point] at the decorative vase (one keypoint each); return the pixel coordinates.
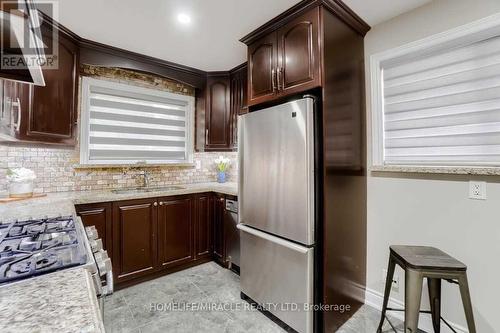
(23, 189)
(221, 177)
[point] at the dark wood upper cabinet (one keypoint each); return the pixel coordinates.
(98, 215)
(134, 238)
(262, 67)
(203, 226)
(52, 113)
(239, 99)
(298, 54)
(285, 61)
(47, 114)
(218, 113)
(175, 231)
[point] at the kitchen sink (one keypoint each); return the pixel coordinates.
(147, 189)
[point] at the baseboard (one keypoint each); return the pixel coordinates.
(374, 299)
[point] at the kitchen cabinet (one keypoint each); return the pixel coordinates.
(218, 202)
(203, 226)
(134, 238)
(239, 99)
(175, 231)
(316, 48)
(298, 54)
(286, 60)
(218, 113)
(98, 215)
(262, 66)
(46, 114)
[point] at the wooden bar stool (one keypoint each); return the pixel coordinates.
(421, 262)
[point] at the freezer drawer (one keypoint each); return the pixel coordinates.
(278, 272)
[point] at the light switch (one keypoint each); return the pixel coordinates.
(477, 190)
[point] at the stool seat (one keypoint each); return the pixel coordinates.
(426, 258)
(419, 263)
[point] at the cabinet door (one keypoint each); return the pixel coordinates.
(239, 101)
(9, 95)
(175, 231)
(52, 113)
(98, 215)
(218, 114)
(262, 64)
(203, 226)
(298, 54)
(134, 238)
(218, 233)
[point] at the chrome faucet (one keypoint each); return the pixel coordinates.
(145, 176)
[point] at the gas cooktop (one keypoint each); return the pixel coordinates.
(33, 247)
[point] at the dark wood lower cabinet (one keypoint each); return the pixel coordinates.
(134, 238)
(203, 226)
(175, 231)
(98, 215)
(218, 203)
(147, 238)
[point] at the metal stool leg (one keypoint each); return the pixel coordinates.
(434, 286)
(387, 292)
(413, 296)
(464, 291)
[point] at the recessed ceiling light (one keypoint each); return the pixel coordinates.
(184, 18)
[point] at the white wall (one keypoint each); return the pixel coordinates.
(434, 209)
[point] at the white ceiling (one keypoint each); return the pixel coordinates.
(210, 41)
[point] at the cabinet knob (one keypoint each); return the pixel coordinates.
(161, 203)
(155, 204)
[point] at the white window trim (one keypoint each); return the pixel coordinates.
(476, 30)
(87, 82)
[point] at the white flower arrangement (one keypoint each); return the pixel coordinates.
(19, 175)
(222, 163)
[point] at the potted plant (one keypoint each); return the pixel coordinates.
(20, 182)
(222, 164)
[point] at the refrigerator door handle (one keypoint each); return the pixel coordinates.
(273, 239)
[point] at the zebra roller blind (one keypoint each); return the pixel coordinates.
(441, 105)
(123, 124)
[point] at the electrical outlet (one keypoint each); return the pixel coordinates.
(198, 164)
(395, 280)
(477, 190)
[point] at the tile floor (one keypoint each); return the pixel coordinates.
(142, 308)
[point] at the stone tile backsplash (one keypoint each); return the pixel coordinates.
(56, 171)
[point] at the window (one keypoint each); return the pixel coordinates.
(436, 102)
(124, 124)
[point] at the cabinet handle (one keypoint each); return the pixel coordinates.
(161, 203)
(279, 75)
(155, 204)
(17, 104)
(273, 79)
(206, 135)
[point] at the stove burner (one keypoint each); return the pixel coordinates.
(33, 247)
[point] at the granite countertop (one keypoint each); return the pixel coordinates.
(63, 301)
(63, 203)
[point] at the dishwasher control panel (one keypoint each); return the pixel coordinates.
(232, 205)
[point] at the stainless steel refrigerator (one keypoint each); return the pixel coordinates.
(277, 210)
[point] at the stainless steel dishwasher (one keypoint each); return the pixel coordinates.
(232, 235)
